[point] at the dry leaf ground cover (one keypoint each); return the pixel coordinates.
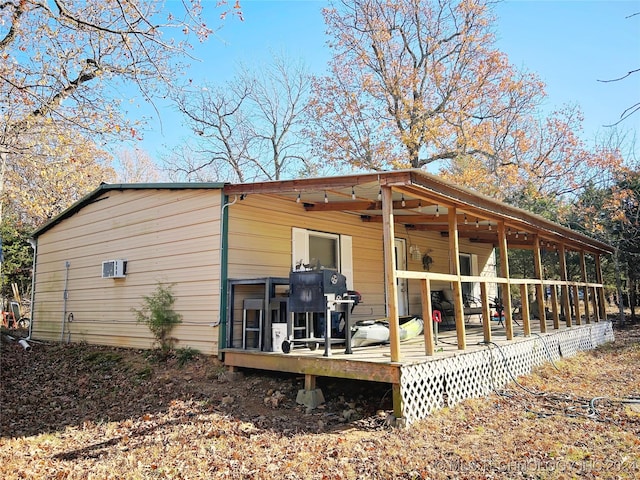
(77, 411)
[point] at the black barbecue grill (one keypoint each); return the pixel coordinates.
(324, 292)
(307, 289)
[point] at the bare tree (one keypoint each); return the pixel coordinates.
(249, 128)
(636, 106)
(135, 166)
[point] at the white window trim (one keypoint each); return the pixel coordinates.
(300, 250)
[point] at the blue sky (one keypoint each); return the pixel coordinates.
(570, 44)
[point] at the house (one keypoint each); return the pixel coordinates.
(228, 251)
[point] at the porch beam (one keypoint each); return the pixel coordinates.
(537, 267)
(454, 251)
(390, 272)
(437, 223)
(504, 272)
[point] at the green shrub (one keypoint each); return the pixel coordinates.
(158, 315)
(185, 355)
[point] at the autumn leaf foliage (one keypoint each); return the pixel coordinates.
(413, 83)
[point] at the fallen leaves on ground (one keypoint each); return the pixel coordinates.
(79, 411)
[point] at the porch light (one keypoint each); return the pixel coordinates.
(489, 226)
(414, 251)
(477, 223)
(420, 206)
(404, 204)
(517, 234)
(465, 219)
(326, 199)
(509, 231)
(437, 210)
(298, 199)
(353, 194)
(380, 194)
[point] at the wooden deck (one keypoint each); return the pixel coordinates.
(374, 363)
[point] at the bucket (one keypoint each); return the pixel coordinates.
(278, 335)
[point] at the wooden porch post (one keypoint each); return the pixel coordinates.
(585, 290)
(601, 304)
(429, 346)
(454, 251)
(537, 266)
(504, 268)
(565, 288)
(390, 272)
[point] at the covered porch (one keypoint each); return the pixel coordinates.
(420, 202)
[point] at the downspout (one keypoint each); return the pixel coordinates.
(34, 245)
(224, 256)
(65, 296)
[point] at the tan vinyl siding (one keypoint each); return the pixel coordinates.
(260, 246)
(168, 236)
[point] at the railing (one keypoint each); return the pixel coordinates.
(593, 295)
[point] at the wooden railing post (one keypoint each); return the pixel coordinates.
(526, 316)
(486, 312)
(390, 272)
(504, 268)
(585, 290)
(602, 307)
(537, 267)
(427, 315)
(555, 311)
(454, 251)
(566, 304)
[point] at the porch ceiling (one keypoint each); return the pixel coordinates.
(421, 202)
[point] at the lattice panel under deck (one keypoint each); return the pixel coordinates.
(436, 383)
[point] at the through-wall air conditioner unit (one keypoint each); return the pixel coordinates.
(114, 269)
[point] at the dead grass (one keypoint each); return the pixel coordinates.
(89, 412)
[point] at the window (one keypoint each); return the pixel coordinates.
(328, 250)
(324, 250)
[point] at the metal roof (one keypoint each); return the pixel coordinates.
(420, 201)
(106, 187)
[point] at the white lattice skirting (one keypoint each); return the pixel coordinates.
(444, 382)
